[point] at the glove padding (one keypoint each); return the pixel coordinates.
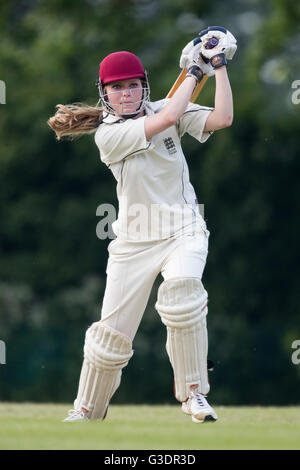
(226, 45)
(191, 56)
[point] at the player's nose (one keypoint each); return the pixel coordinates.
(126, 92)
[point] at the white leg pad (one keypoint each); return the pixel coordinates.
(106, 353)
(182, 306)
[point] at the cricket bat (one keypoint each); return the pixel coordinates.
(210, 44)
(180, 79)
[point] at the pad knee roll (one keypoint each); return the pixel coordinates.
(106, 353)
(182, 306)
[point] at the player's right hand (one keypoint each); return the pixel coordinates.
(191, 55)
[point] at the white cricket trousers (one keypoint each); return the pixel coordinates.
(133, 267)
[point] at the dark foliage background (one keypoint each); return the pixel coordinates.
(52, 265)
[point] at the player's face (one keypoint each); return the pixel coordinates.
(125, 96)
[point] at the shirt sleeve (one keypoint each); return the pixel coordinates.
(120, 140)
(193, 121)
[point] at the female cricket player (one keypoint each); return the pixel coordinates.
(159, 228)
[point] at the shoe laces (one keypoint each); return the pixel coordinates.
(199, 398)
(75, 412)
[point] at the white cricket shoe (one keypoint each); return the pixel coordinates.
(198, 407)
(76, 415)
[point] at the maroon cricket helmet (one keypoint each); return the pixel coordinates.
(121, 65)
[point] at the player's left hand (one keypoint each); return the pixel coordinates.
(191, 56)
(226, 42)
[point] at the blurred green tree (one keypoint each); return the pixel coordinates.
(52, 270)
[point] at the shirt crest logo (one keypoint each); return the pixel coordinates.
(170, 146)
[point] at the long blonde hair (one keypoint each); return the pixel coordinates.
(75, 119)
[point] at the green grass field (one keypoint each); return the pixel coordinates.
(38, 426)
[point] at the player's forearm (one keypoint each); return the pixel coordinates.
(174, 109)
(179, 101)
(223, 111)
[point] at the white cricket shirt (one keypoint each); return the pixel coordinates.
(156, 197)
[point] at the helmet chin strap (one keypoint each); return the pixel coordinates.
(128, 116)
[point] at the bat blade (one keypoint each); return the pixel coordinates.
(180, 79)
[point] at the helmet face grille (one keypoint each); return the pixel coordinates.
(140, 104)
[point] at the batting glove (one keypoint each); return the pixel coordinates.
(226, 42)
(196, 72)
(191, 55)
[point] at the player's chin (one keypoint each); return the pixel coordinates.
(128, 108)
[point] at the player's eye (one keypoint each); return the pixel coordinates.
(134, 85)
